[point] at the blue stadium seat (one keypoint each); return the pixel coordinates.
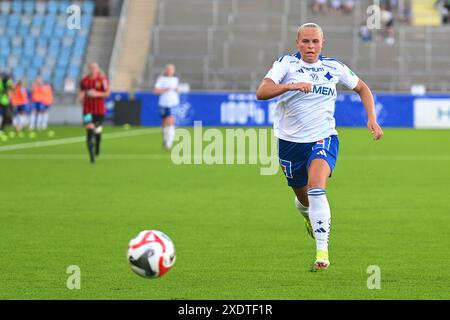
(16, 41)
(13, 21)
(2, 31)
(35, 31)
(46, 75)
(4, 43)
(38, 20)
(17, 51)
(47, 32)
(24, 31)
(42, 42)
(58, 83)
(74, 72)
(86, 22)
(4, 52)
(10, 32)
(28, 7)
(63, 5)
(41, 51)
(53, 52)
(12, 60)
(31, 74)
(76, 61)
(41, 7)
(52, 7)
(29, 52)
(50, 20)
(88, 7)
(26, 19)
(3, 20)
(78, 52)
(17, 6)
(71, 33)
(3, 63)
(38, 62)
(61, 21)
(50, 62)
(18, 72)
(59, 31)
(55, 43)
(29, 42)
(5, 7)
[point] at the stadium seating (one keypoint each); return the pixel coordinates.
(35, 40)
(230, 44)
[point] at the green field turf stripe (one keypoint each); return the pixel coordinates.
(167, 156)
(57, 142)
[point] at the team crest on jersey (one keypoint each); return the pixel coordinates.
(98, 84)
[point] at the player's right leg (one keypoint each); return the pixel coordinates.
(90, 127)
(165, 123)
(293, 163)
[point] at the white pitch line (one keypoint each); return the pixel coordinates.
(82, 156)
(63, 141)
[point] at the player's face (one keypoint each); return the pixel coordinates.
(309, 44)
(93, 68)
(170, 70)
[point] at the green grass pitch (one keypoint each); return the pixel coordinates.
(237, 233)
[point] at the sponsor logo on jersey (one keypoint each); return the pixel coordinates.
(314, 77)
(313, 69)
(323, 90)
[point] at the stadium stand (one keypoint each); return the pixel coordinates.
(230, 44)
(34, 39)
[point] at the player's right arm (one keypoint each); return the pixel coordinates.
(160, 86)
(268, 89)
(272, 87)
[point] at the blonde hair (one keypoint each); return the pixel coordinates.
(309, 25)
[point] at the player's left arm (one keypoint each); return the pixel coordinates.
(368, 102)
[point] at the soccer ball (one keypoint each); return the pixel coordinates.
(151, 254)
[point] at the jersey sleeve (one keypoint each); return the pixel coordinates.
(278, 71)
(347, 76)
(159, 83)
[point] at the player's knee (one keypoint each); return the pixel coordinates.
(316, 182)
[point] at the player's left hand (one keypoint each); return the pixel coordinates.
(375, 130)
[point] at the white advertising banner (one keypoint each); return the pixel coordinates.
(432, 113)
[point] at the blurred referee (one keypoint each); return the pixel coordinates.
(94, 89)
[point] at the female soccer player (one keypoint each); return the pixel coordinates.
(305, 126)
(167, 87)
(94, 89)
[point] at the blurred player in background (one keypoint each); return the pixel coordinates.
(5, 92)
(20, 103)
(167, 87)
(305, 126)
(37, 97)
(94, 89)
(47, 101)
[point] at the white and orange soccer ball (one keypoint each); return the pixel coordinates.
(151, 254)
